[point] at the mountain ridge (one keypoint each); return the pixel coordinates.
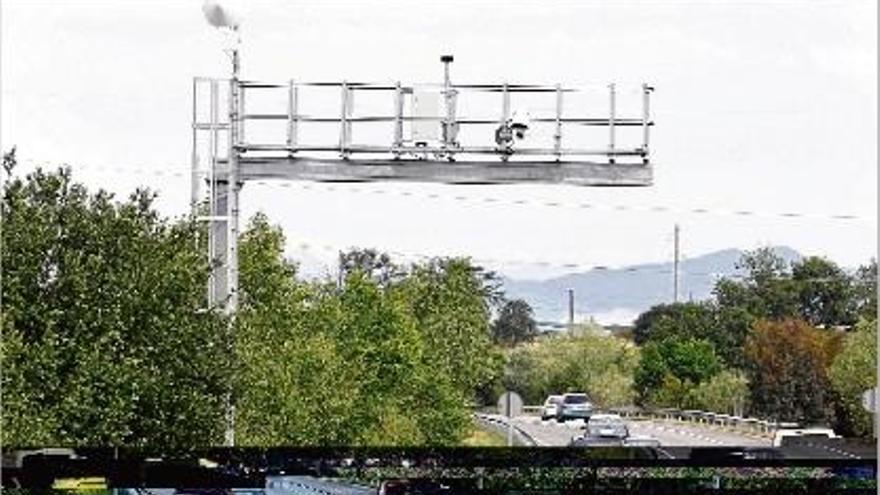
(617, 295)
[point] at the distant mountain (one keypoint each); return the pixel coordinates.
(619, 295)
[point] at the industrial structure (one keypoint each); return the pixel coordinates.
(357, 131)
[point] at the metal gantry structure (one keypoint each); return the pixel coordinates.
(420, 133)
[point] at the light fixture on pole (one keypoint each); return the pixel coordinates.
(223, 17)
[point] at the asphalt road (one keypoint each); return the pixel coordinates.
(669, 434)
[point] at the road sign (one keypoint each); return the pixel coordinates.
(869, 400)
(510, 404)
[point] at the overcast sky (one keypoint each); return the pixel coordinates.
(766, 106)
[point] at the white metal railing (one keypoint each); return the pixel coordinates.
(449, 121)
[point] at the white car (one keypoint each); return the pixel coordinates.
(607, 426)
(550, 407)
(780, 435)
(574, 406)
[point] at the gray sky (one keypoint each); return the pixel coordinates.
(767, 106)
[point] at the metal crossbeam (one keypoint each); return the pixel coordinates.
(459, 172)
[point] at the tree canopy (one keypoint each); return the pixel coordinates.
(106, 337)
(853, 372)
(788, 362)
(108, 340)
(515, 323)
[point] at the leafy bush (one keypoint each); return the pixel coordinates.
(727, 392)
(669, 368)
(602, 366)
(852, 373)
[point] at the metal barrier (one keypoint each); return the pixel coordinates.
(749, 425)
(707, 418)
(499, 423)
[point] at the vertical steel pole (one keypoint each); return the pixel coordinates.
(398, 119)
(216, 230)
(241, 114)
(292, 116)
(612, 95)
(505, 116)
(505, 104)
(195, 194)
(646, 116)
(509, 414)
(675, 268)
(343, 131)
(231, 238)
(557, 138)
(449, 100)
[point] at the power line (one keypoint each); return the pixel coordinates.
(158, 172)
(308, 246)
(176, 173)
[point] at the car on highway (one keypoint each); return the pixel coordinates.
(550, 407)
(783, 436)
(607, 426)
(574, 406)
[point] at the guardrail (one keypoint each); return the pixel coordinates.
(707, 418)
(749, 425)
(499, 424)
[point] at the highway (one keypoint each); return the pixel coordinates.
(668, 433)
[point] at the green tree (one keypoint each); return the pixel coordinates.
(727, 392)
(672, 320)
(452, 300)
(107, 340)
(825, 292)
(865, 290)
(852, 373)
(732, 325)
(371, 263)
(767, 288)
(682, 362)
(515, 324)
(374, 361)
(290, 370)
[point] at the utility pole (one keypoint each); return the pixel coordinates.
(570, 310)
(675, 268)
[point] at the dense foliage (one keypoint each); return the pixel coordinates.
(107, 340)
(777, 329)
(586, 361)
(789, 359)
(105, 337)
(669, 369)
(854, 371)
